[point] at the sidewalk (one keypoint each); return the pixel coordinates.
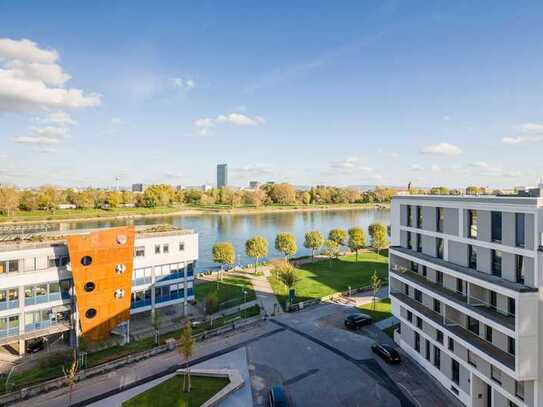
(263, 291)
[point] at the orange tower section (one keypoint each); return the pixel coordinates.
(102, 263)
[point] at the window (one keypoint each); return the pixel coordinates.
(120, 268)
(419, 322)
(427, 349)
(157, 249)
(406, 289)
(409, 316)
(488, 334)
(496, 374)
(451, 344)
(414, 267)
(519, 390)
(409, 216)
(89, 286)
(496, 226)
(9, 266)
(455, 374)
(520, 229)
(417, 342)
(437, 306)
(409, 244)
(86, 260)
(472, 257)
(424, 271)
(57, 261)
(121, 239)
(473, 325)
(437, 357)
(511, 306)
(439, 336)
(165, 248)
(471, 359)
(519, 268)
(460, 286)
(440, 218)
(511, 345)
(493, 300)
(496, 263)
(439, 278)
(472, 224)
(418, 296)
(90, 313)
(139, 251)
(439, 247)
(181, 246)
(419, 217)
(419, 243)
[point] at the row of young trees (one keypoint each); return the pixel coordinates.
(257, 247)
(48, 198)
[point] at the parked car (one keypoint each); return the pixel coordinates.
(277, 396)
(35, 345)
(387, 352)
(357, 320)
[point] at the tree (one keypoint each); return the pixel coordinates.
(28, 201)
(375, 284)
(212, 303)
(286, 244)
(306, 198)
(48, 198)
(113, 199)
(379, 238)
(313, 240)
(70, 375)
(338, 235)
(330, 249)
(186, 350)
(9, 200)
(286, 274)
(223, 253)
(84, 200)
(357, 240)
(473, 190)
(257, 248)
(282, 194)
(439, 191)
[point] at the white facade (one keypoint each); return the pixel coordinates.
(464, 281)
(36, 298)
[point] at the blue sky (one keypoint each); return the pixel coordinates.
(373, 92)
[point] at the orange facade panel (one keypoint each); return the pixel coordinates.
(102, 264)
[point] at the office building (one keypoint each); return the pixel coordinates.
(87, 284)
(222, 175)
(464, 281)
(138, 187)
(254, 184)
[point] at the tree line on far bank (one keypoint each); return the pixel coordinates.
(48, 198)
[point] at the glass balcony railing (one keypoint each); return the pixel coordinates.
(172, 296)
(141, 303)
(39, 325)
(7, 332)
(141, 281)
(41, 299)
(9, 304)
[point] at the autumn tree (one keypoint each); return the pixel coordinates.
(186, 348)
(313, 240)
(306, 198)
(282, 194)
(378, 235)
(330, 249)
(48, 198)
(257, 248)
(286, 244)
(224, 254)
(357, 240)
(338, 235)
(9, 200)
(28, 201)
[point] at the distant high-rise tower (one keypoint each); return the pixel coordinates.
(222, 175)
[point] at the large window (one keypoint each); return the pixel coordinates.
(418, 296)
(419, 217)
(139, 251)
(496, 374)
(409, 216)
(473, 325)
(437, 357)
(488, 334)
(440, 219)
(472, 257)
(439, 278)
(409, 244)
(511, 345)
(520, 228)
(417, 342)
(455, 374)
(9, 298)
(519, 390)
(472, 223)
(9, 266)
(439, 247)
(496, 263)
(519, 268)
(57, 261)
(496, 226)
(419, 243)
(427, 349)
(511, 305)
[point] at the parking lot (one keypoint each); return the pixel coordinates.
(320, 363)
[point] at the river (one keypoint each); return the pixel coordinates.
(237, 228)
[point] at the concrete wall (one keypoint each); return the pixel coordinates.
(450, 225)
(429, 245)
(429, 218)
(483, 226)
(458, 253)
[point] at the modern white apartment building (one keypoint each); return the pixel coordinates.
(87, 283)
(464, 281)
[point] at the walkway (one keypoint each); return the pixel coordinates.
(263, 290)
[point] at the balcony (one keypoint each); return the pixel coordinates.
(481, 308)
(475, 341)
(489, 278)
(4, 305)
(141, 303)
(41, 299)
(174, 295)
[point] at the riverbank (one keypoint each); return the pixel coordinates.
(83, 215)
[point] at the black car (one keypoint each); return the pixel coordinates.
(357, 320)
(387, 352)
(35, 345)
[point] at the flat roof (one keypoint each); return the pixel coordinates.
(483, 199)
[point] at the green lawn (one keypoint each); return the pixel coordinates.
(170, 393)
(229, 290)
(323, 278)
(378, 311)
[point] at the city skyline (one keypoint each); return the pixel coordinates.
(371, 94)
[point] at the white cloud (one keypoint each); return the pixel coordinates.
(253, 171)
(59, 118)
(31, 79)
(530, 133)
(47, 135)
(416, 167)
(205, 125)
(442, 149)
(183, 83)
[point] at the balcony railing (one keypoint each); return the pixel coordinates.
(7, 332)
(454, 327)
(141, 303)
(41, 299)
(170, 297)
(141, 281)
(471, 303)
(9, 304)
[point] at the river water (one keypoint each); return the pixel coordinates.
(237, 228)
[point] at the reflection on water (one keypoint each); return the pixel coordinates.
(237, 228)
